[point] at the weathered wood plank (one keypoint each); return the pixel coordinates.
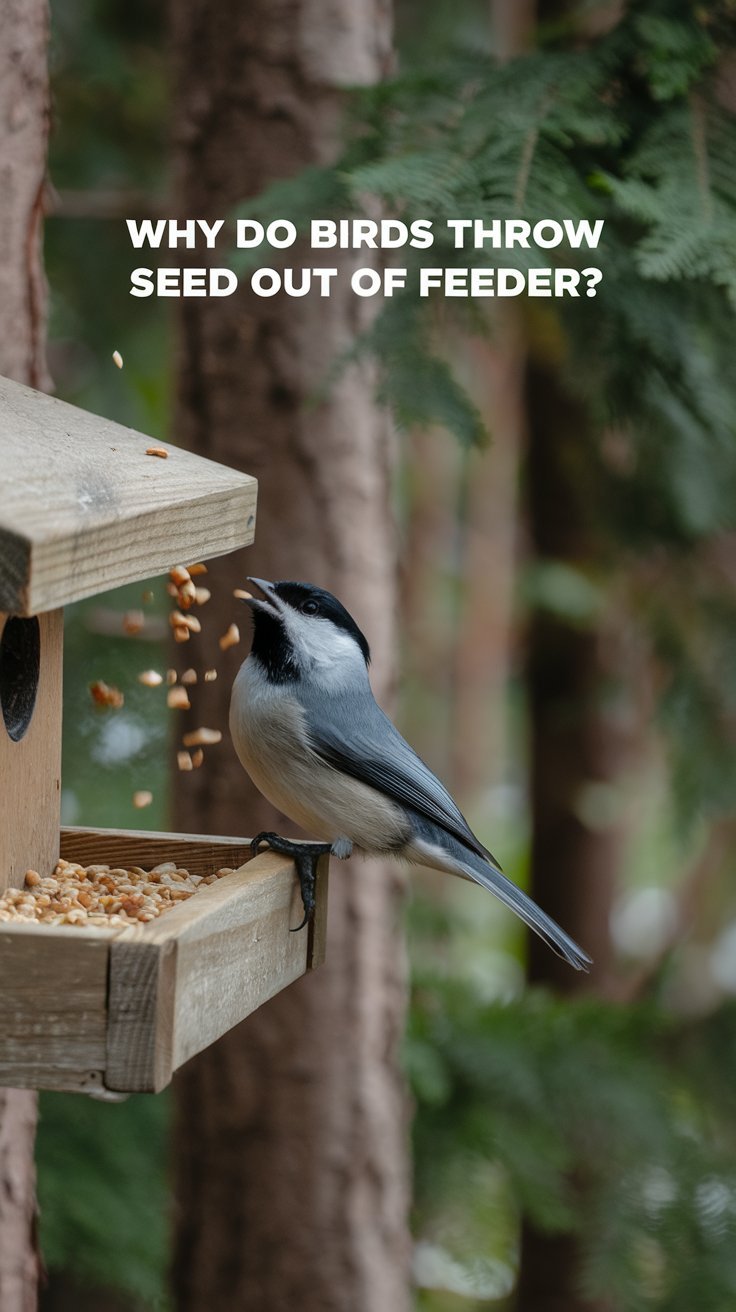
(30, 769)
(232, 951)
(239, 956)
(141, 1009)
(92, 1009)
(83, 508)
(198, 853)
(54, 1013)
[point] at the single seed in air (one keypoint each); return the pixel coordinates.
(202, 738)
(150, 678)
(231, 638)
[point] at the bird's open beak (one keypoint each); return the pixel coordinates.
(269, 602)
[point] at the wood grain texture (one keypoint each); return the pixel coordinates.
(200, 854)
(121, 1009)
(25, 104)
(179, 983)
(30, 770)
(54, 1014)
(141, 1007)
(84, 509)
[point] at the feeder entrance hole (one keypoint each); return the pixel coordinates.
(20, 666)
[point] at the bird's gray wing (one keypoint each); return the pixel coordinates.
(356, 737)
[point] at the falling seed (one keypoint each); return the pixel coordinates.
(197, 758)
(177, 700)
(210, 676)
(187, 595)
(184, 761)
(105, 694)
(231, 638)
(133, 622)
(202, 738)
(178, 620)
(171, 677)
(150, 678)
(141, 799)
(189, 676)
(159, 451)
(199, 568)
(147, 597)
(202, 596)
(181, 633)
(117, 359)
(242, 595)
(179, 574)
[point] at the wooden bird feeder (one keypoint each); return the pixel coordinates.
(83, 509)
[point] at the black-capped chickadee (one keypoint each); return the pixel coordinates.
(314, 741)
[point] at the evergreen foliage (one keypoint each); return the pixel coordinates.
(611, 1123)
(635, 127)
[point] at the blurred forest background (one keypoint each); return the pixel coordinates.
(566, 488)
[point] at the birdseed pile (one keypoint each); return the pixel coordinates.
(101, 895)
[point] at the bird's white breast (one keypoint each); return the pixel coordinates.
(268, 730)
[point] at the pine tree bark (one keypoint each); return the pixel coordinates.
(290, 1138)
(24, 117)
(582, 727)
(581, 730)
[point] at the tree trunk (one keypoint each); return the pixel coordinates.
(290, 1138)
(24, 115)
(581, 731)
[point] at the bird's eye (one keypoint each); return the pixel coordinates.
(309, 607)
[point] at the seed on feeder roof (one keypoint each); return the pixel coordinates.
(231, 638)
(159, 451)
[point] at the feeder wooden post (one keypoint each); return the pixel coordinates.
(30, 767)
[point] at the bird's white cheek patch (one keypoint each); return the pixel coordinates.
(322, 648)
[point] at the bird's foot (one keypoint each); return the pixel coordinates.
(305, 857)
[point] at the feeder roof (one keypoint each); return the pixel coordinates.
(83, 508)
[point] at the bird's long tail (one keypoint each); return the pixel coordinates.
(449, 854)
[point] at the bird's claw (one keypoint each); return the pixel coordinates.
(305, 857)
